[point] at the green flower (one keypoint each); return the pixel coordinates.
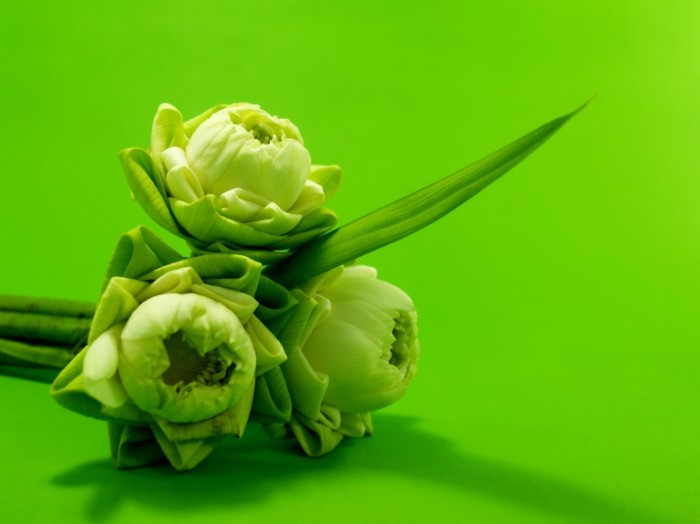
(367, 344)
(183, 357)
(234, 178)
(352, 346)
(174, 356)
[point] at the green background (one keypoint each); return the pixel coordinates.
(558, 308)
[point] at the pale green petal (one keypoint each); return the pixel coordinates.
(168, 130)
(284, 178)
(100, 369)
(69, 391)
(328, 177)
(211, 149)
(261, 122)
(356, 283)
(241, 205)
(343, 351)
(244, 206)
(183, 184)
(202, 220)
(271, 219)
(193, 123)
(311, 197)
(205, 325)
(311, 226)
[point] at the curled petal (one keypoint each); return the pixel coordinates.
(100, 376)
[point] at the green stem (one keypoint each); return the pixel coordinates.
(15, 353)
(57, 329)
(47, 306)
(45, 375)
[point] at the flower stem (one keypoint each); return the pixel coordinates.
(63, 330)
(47, 306)
(16, 353)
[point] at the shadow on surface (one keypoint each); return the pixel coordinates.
(252, 470)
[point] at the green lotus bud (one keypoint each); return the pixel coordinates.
(366, 346)
(235, 177)
(175, 351)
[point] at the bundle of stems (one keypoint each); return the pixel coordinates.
(39, 336)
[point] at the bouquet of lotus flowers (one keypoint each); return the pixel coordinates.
(270, 320)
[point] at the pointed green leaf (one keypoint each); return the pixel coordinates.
(409, 214)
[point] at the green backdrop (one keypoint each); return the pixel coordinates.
(558, 308)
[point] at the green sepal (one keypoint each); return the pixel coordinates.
(311, 226)
(263, 256)
(186, 454)
(148, 187)
(322, 435)
(133, 447)
(278, 430)
(306, 387)
(271, 402)
(203, 221)
(315, 438)
(269, 352)
(116, 304)
(409, 214)
(274, 301)
(139, 251)
(240, 273)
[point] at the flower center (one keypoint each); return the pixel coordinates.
(261, 135)
(403, 336)
(187, 365)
